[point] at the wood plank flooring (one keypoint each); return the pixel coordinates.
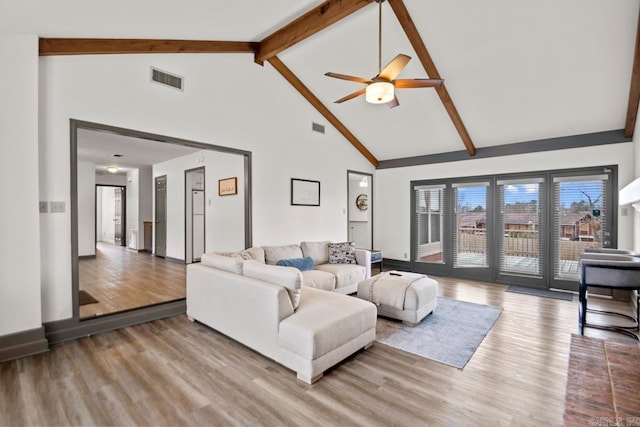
(174, 372)
(121, 279)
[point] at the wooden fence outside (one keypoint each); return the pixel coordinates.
(526, 244)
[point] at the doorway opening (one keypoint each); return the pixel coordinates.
(161, 216)
(111, 214)
(359, 212)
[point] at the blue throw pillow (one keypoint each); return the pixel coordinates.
(302, 264)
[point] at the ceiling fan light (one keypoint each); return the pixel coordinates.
(112, 169)
(379, 92)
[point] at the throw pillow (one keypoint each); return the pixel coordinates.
(302, 264)
(342, 253)
(319, 251)
(273, 254)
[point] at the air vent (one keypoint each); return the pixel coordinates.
(316, 127)
(167, 79)
(117, 155)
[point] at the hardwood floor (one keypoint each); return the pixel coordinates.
(121, 279)
(174, 372)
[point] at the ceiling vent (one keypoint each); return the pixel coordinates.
(316, 127)
(167, 79)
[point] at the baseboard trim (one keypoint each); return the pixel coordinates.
(136, 250)
(22, 344)
(70, 329)
(87, 256)
(168, 258)
(396, 264)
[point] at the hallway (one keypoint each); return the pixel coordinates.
(122, 279)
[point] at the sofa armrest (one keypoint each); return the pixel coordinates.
(247, 309)
(363, 257)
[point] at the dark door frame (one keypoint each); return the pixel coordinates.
(74, 327)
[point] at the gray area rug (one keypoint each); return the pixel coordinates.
(565, 296)
(450, 335)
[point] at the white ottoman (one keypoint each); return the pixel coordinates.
(420, 296)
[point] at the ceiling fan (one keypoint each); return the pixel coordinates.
(381, 88)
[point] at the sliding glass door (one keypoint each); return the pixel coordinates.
(581, 220)
(521, 231)
(471, 229)
(429, 216)
(526, 229)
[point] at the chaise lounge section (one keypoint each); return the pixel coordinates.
(266, 308)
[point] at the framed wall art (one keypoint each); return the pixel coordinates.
(228, 186)
(305, 192)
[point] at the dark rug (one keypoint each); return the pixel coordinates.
(603, 385)
(85, 298)
(565, 296)
(450, 335)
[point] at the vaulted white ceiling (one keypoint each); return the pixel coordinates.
(516, 71)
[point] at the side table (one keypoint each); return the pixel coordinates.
(376, 257)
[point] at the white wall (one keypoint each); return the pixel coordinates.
(224, 215)
(20, 307)
(265, 116)
(392, 191)
(86, 208)
(111, 179)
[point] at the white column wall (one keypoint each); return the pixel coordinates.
(20, 307)
(392, 191)
(86, 208)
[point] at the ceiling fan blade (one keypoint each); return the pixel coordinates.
(415, 83)
(351, 95)
(394, 67)
(350, 78)
(393, 103)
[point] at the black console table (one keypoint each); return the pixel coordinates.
(376, 257)
(618, 272)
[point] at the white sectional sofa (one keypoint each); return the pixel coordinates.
(338, 277)
(266, 308)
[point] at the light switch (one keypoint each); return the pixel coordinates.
(44, 207)
(57, 207)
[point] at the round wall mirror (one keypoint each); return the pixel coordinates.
(361, 202)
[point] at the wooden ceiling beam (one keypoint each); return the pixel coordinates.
(416, 41)
(322, 109)
(86, 46)
(634, 91)
(317, 19)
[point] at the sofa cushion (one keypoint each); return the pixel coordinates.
(287, 277)
(231, 263)
(319, 251)
(342, 253)
(319, 280)
(345, 274)
(302, 264)
(256, 253)
(325, 321)
(273, 254)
